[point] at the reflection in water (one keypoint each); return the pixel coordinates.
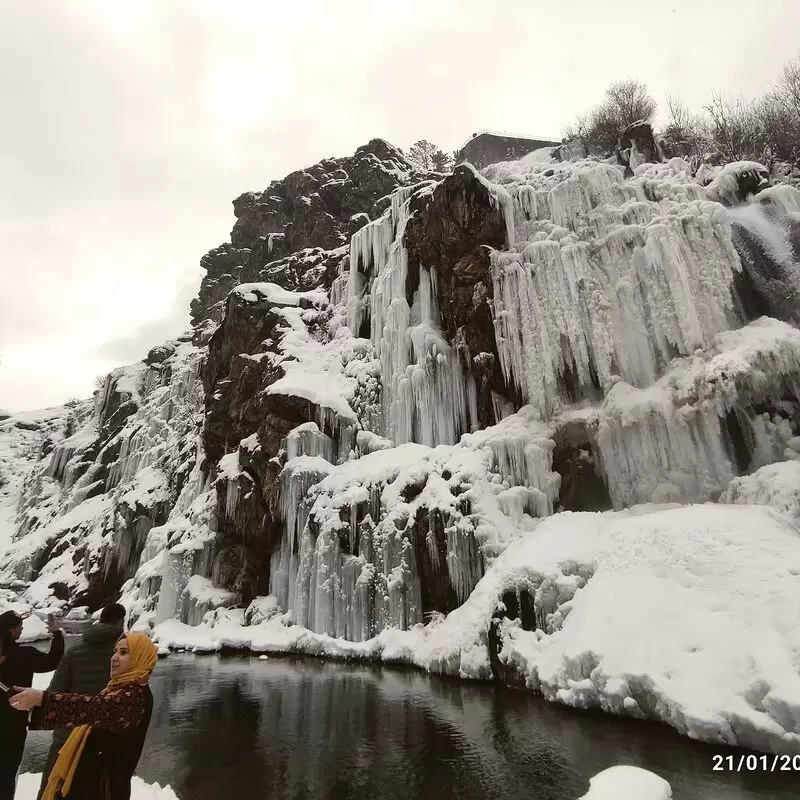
(302, 729)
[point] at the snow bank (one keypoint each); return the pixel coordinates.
(687, 615)
(28, 788)
(776, 485)
(627, 783)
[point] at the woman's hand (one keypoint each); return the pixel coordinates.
(25, 699)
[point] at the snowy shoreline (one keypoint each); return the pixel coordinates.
(690, 616)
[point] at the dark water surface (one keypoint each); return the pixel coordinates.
(237, 727)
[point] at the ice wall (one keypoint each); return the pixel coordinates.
(614, 290)
(428, 397)
(387, 539)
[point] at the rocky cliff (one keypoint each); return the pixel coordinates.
(393, 376)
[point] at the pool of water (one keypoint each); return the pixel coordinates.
(237, 726)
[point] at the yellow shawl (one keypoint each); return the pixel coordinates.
(143, 660)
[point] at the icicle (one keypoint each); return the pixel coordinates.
(626, 305)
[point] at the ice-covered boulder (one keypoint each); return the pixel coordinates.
(737, 181)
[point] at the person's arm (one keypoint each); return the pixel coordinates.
(62, 679)
(115, 711)
(46, 662)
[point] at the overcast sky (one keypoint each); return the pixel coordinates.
(127, 128)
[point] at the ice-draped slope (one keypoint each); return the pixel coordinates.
(372, 449)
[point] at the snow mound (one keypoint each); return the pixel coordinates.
(726, 186)
(627, 783)
(278, 295)
(689, 615)
(776, 485)
(28, 788)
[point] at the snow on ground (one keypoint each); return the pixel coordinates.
(627, 783)
(28, 788)
(690, 615)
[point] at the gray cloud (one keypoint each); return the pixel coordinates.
(128, 128)
(135, 345)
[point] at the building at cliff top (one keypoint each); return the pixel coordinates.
(488, 147)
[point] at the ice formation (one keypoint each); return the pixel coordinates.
(644, 332)
(427, 395)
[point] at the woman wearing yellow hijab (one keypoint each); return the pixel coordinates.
(98, 759)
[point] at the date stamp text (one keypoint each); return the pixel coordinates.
(756, 763)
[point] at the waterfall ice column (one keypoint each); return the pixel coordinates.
(427, 397)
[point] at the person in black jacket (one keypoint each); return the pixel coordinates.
(17, 668)
(100, 756)
(85, 669)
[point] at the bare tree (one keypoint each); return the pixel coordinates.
(629, 101)
(626, 102)
(788, 89)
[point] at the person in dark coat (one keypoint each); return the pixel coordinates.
(85, 669)
(17, 668)
(100, 756)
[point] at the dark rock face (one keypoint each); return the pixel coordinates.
(452, 231)
(575, 459)
(223, 265)
(311, 211)
(517, 604)
(239, 366)
(307, 269)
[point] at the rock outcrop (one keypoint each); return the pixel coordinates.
(452, 231)
(297, 221)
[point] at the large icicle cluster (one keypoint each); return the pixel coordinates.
(607, 277)
(677, 439)
(386, 539)
(427, 395)
(95, 496)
